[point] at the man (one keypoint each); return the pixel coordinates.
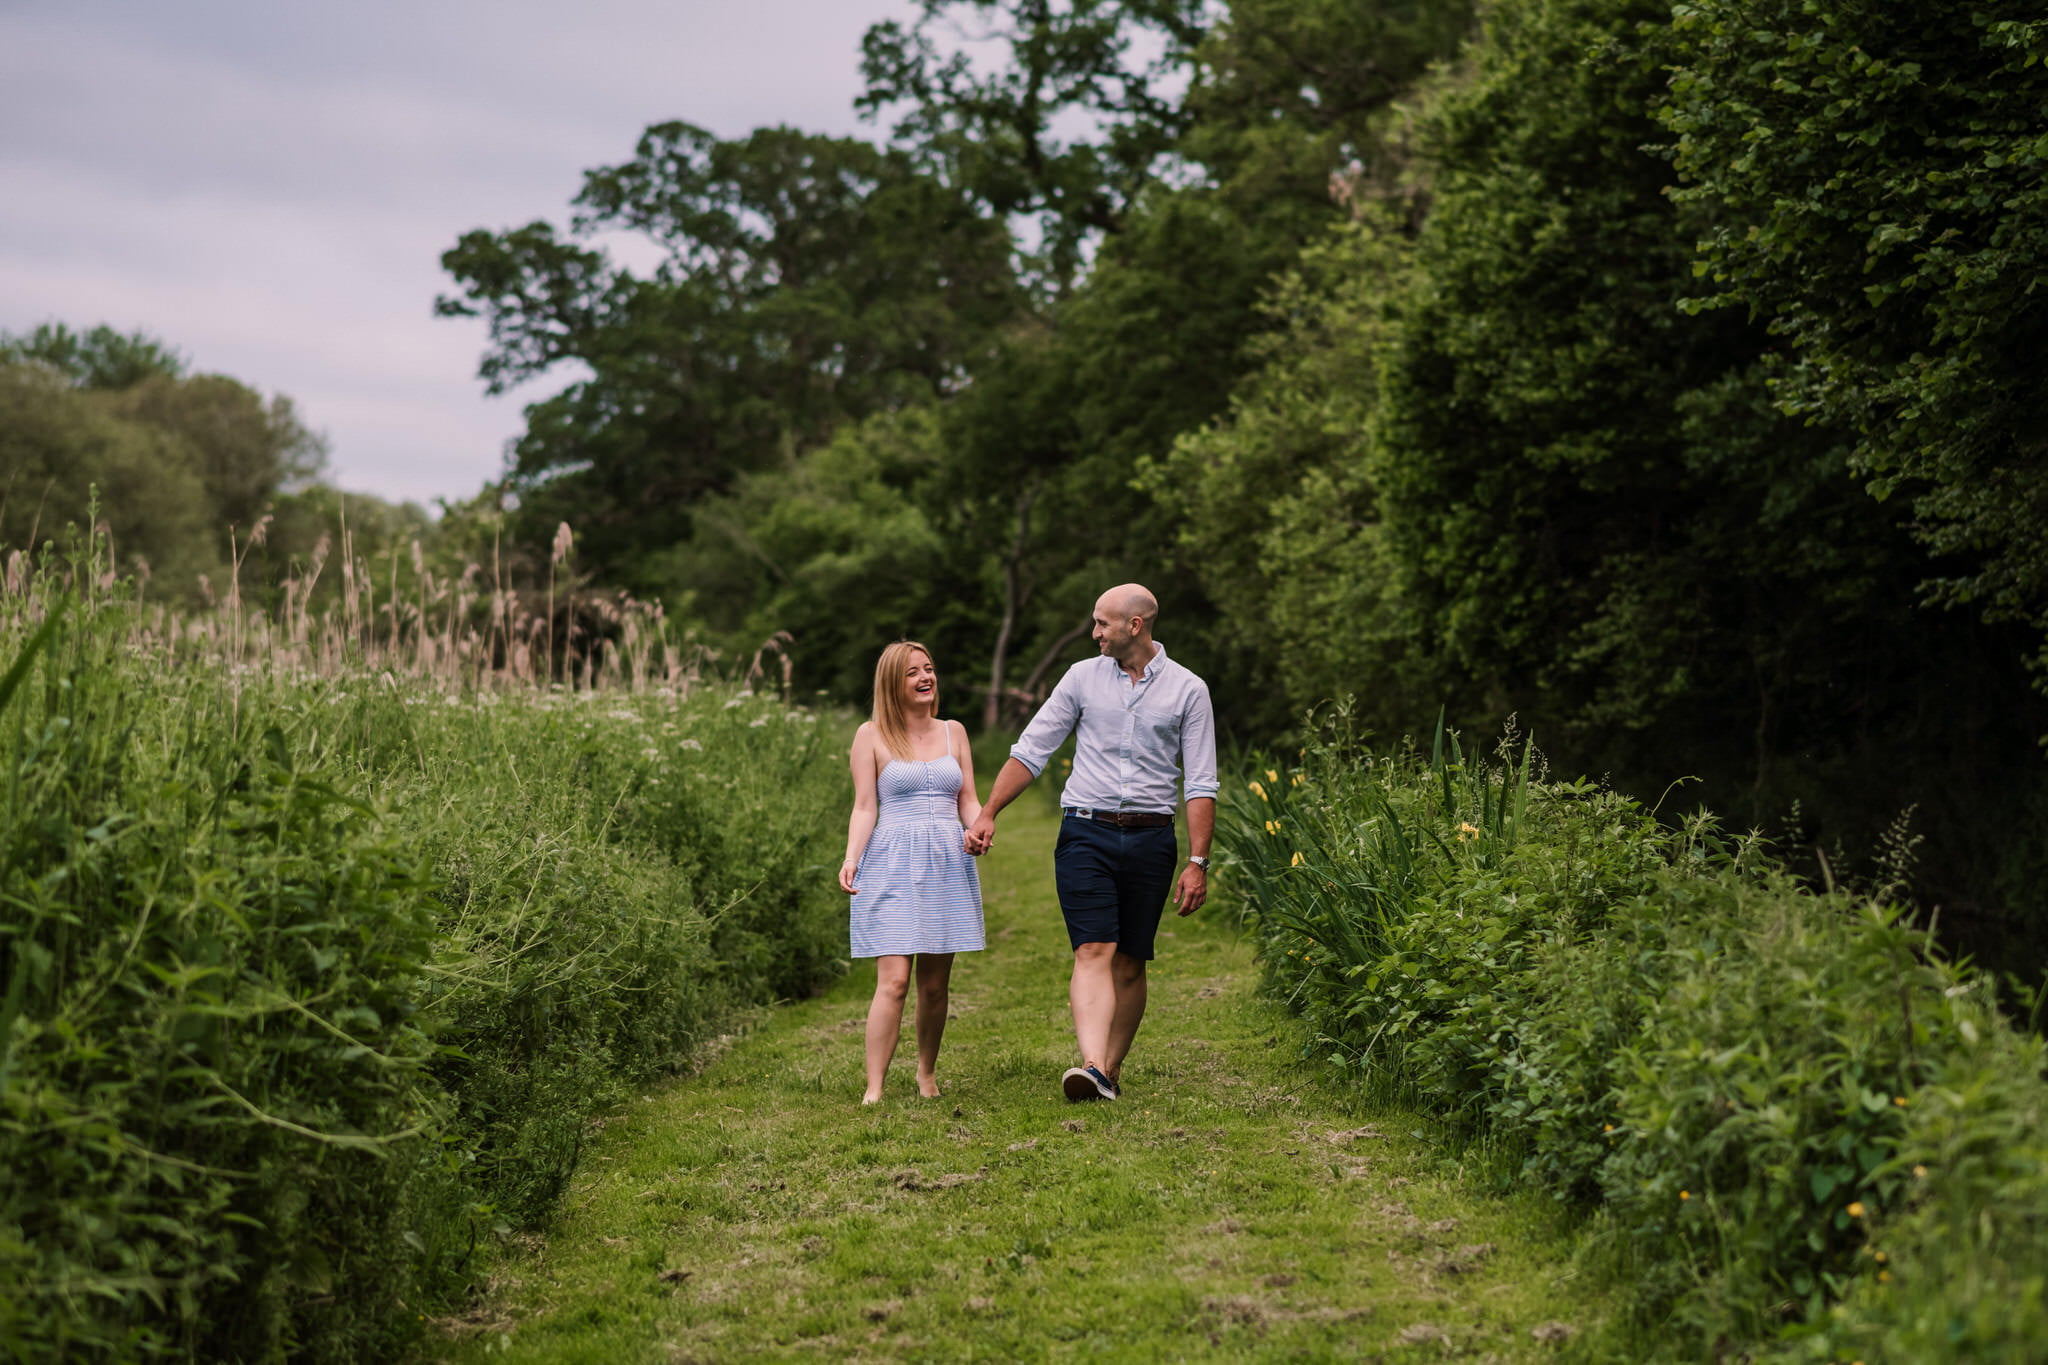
(1139, 715)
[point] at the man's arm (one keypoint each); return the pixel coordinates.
(1028, 756)
(1010, 782)
(1193, 888)
(1198, 782)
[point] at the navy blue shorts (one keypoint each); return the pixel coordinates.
(1113, 883)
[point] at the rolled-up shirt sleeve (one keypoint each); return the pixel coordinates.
(1051, 726)
(1198, 746)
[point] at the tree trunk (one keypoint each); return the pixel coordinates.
(1027, 695)
(991, 711)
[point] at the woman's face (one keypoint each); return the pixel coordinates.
(920, 681)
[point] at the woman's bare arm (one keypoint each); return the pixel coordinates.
(861, 824)
(970, 795)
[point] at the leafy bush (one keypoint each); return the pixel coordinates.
(310, 984)
(1796, 1122)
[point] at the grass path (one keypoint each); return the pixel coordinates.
(1227, 1208)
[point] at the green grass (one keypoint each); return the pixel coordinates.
(1230, 1207)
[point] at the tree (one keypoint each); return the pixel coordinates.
(1072, 123)
(1871, 182)
(244, 448)
(59, 446)
(99, 359)
(807, 281)
(1275, 512)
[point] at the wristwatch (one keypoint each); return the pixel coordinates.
(1200, 860)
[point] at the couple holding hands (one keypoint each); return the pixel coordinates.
(1142, 720)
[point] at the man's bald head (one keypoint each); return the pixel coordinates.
(1128, 600)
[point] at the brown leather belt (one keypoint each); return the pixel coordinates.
(1123, 819)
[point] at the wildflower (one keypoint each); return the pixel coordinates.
(1855, 1209)
(1297, 780)
(1272, 827)
(1608, 1129)
(1684, 1195)
(1881, 1257)
(1272, 776)
(1467, 830)
(1297, 859)
(1884, 1277)
(691, 744)
(1899, 1100)
(1919, 1172)
(1256, 790)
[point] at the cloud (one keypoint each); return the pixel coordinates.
(269, 187)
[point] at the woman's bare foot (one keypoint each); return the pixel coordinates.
(928, 1086)
(871, 1097)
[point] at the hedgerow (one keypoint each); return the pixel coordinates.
(314, 985)
(1796, 1124)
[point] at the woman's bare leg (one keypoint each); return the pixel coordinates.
(885, 1019)
(934, 972)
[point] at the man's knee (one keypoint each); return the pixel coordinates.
(1128, 970)
(1094, 954)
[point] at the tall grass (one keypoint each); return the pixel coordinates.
(1799, 1132)
(322, 952)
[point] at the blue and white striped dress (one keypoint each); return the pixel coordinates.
(919, 891)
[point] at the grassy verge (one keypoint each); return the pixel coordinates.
(1226, 1209)
(1803, 1135)
(309, 982)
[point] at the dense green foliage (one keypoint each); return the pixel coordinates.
(1510, 465)
(1873, 180)
(314, 984)
(193, 475)
(1658, 375)
(1803, 1131)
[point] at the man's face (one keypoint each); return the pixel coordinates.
(1112, 633)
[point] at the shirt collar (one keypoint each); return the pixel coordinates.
(1151, 669)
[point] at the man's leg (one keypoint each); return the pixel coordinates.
(1128, 975)
(1084, 868)
(1144, 877)
(1093, 994)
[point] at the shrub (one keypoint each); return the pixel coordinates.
(1797, 1123)
(311, 983)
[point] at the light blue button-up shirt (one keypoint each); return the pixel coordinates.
(1135, 737)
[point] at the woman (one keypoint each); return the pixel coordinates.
(915, 892)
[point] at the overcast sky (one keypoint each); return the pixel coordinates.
(268, 185)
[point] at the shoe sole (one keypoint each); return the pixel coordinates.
(1079, 1085)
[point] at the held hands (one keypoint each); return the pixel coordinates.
(1191, 890)
(980, 835)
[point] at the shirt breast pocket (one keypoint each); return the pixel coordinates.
(1165, 731)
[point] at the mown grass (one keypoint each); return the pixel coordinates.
(1227, 1208)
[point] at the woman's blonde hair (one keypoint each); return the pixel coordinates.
(891, 721)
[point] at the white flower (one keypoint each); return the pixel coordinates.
(690, 744)
(617, 713)
(757, 722)
(733, 702)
